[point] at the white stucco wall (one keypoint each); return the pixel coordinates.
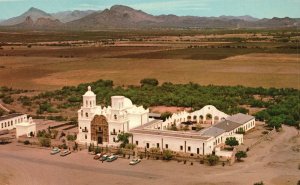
(174, 143)
(9, 124)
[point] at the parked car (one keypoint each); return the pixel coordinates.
(104, 158)
(111, 158)
(98, 156)
(134, 161)
(65, 152)
(55, 151)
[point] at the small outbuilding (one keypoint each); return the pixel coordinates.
(27, 127)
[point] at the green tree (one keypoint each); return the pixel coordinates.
(231, 141)
(165, 115)
(124, 139)
(275, 121)
(240, 154)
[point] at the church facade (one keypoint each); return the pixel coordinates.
(101, 125)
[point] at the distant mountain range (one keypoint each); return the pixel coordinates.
(120, 16)
(36, 14)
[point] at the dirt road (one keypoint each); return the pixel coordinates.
(273, 162)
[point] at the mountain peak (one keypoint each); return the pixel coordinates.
(33, 9)
(121, 8)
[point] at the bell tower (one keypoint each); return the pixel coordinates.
(89, 99)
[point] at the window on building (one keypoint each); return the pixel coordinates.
(137, 143)
(157, 145)
(181, 147)
(8, 123)
(86, 114)
(1, 125)
(115, 116)
(167, 146)
(85, 136)
(5, 124)
(114, 139)
(189, 148)
(198, 150)
(147, 145)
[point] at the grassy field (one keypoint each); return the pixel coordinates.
(44, 73)
(126, 57)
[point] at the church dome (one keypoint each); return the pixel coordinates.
(89, 92)
(127, 103)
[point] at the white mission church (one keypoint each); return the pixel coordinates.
(102, 125)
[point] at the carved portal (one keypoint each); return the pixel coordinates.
(99, 129)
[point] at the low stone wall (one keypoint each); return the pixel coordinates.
(263, 138)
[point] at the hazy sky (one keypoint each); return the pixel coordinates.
(256, 8)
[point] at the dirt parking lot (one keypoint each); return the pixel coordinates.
(273, 162)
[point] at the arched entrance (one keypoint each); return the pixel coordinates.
(99, 129)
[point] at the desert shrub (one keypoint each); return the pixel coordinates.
(73, 99)
(43, 133)
(1, 112)
(240, 154)
(130, 146)
(149, 82)
(167, 155)
(91, 148)
(259, 183)
(26, 142)
(45, 142)
(54, 134)
(97, 150)
(7, 99)
(154, 150)
(62, 134)
(212, 159)
(71, 137)
(25, 100)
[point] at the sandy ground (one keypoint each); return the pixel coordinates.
(273, 162)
